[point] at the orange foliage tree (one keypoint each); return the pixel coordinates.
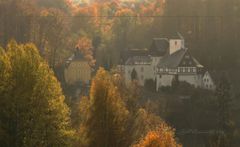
(161, 137)
(84, 45)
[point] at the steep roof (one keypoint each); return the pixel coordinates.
(139, 60)
(173, 60)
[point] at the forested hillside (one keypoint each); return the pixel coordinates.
(37, 36)
(209, 26)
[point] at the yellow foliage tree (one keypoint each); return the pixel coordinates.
(106, 116)
(32, 107)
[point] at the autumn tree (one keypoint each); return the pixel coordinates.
(52, 35)
(106, 118)
(163, 136)
(84, 45)
(32, 107)
(140, 123)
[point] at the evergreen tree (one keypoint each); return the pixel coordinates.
(33, 111)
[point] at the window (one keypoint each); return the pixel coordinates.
(160, 76)
(176, 42)
(194, 70)
(190, 62)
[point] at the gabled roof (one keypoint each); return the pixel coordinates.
(173, 60)
(139, 60)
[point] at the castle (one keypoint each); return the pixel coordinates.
(167, 60)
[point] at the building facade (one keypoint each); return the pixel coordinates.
(208, 82)
(77, 69)
(139, 68)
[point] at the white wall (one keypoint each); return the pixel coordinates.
(175, 45)
(195, 80)
(164, 80)
(144, 72)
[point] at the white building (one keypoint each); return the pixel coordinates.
(139, 68)
(168, 60)
(179, 65)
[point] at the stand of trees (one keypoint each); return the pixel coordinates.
(32, 107)
(210, 27)
(107, 120)
(33, 110)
